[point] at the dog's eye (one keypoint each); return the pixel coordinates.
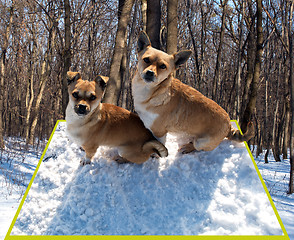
(146, 60)
(75, 95)
(162, 66)
(92, 98)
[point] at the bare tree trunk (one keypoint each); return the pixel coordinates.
(125, 91)
(2, 73)
(30, 93)
(172, 26)
(266, 135)
(114, 83)
(259, 138)
(291, 81)
(250, 60)
(67, 54)
(189, 21)
(275, 134)
(44, 76)
(203, 41)
(266, 155)
(154, 22)
(239, 61)
(258, 59)
(30, 82)
(2, 76)
(286, 129)
(216, 79)
(287, 95)
(144, 14)
(123, 64)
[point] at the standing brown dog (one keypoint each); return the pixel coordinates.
(165, 104)
(91, 123)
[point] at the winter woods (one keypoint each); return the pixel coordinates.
(242, 58)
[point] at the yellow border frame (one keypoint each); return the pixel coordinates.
(128, 237)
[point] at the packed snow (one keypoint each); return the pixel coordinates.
(17, 165)
(201, 193)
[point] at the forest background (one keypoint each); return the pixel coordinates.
(242, 58)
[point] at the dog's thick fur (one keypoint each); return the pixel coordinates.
(165, 104)
(91, 123)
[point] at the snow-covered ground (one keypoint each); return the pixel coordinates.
(276, 177)
(213, 193)
(16, 169)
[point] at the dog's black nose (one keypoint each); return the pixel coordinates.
(150, 73)
(82, 109)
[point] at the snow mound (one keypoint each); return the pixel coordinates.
(202, 193)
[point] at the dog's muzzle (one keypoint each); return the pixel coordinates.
(149, 76)
(81, 109)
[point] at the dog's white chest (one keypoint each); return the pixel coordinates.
(74, 129)
(75, 134)
(147, 117)
(140, 95)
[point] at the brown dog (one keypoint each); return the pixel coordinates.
(167, 105)
(92, 124)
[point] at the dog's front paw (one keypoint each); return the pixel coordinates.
(187, 148)
(85, 161)
(154, 155)
(120, 160)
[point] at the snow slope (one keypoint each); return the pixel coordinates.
(16, 169)
(276, 176)
(201, 193)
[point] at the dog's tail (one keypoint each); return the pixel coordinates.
(236, 135)
(157, 147)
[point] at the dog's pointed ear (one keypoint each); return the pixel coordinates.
(72, 77)
(181, 57)
(101, 81)
(143, 41)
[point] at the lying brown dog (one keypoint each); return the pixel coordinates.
(165, 104)
(91, 123)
